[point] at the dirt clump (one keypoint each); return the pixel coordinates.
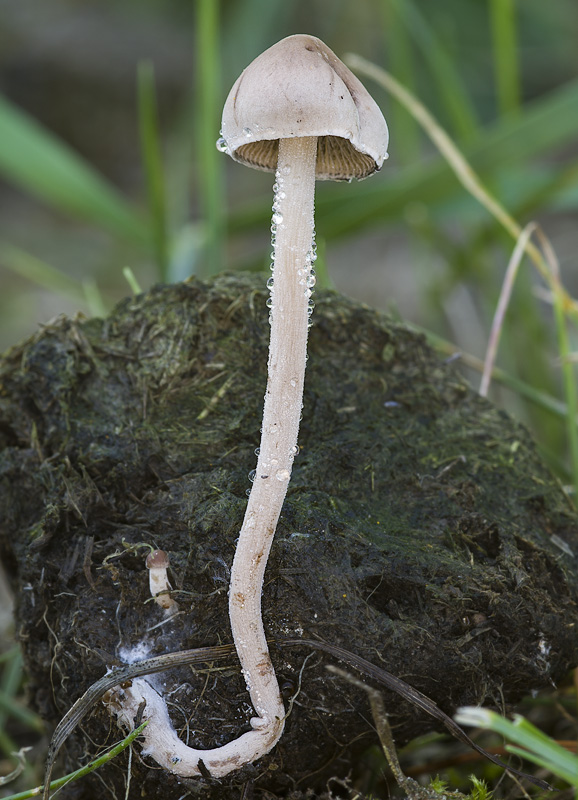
(421, 530)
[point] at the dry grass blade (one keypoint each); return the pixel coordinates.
(503, 302)
(463, 171)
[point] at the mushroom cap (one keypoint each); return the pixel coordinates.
(299, 87)
(157, 559)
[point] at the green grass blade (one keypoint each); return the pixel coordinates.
(153, 165)
(80, 773)
(34, 160)
(93, 298)
(250, 27)
(9, 705)
(404, 130)
(40, 273)
(210, 161)
(132, 281)
(552, 765)
(505, 51)
(454, 96)
(569, 384)
(538, 747)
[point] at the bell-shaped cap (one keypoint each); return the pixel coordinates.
(299, 87)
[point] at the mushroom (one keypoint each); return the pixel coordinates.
(298, 111)
(157, 563)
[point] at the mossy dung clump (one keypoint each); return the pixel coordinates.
(421, 530)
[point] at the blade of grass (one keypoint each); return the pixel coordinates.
(461, 168)
(153, 165)
(9, 683)
(9, 686)
(249, 27)
(80, 773)
(40, 273)
(454, 96)
(568, 368)
(505, 52)
(130, 278)
(538, 747)
(404, 129)
(187, 250)
(36, 161)
(210, 162)
(505, 294)
(93, 298)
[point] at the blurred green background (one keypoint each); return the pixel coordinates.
(109, 113)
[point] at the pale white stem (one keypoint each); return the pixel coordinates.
(283, 401)
(157, 564)
(294, 209)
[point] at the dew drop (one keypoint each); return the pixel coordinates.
(277, 218)
(257, 451)
(248, 132)
(270, 282)
(248, 492)
(252, 475)
(282, 475)
(269, 302)
(222, 145)
(294, 450)
(293, 382)
(311, 280)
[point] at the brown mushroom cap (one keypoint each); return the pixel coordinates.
(157, 559)
(299, 87)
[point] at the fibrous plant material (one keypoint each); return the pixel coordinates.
(421, 530)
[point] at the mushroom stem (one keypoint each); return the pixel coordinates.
(293, 229)
(293, 225)
(157, 563)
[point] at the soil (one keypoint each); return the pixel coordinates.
(421, 529)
